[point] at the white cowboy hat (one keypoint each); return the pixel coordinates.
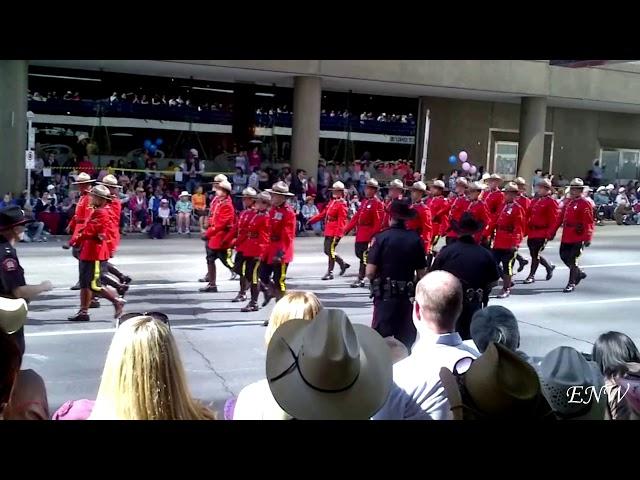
(224, 185)
(396, 183)
(185, 194)
(110, 181)
(610, 186)
(221, 177)
(339, 186)
(13, 314)
(545, 182)
(564, 368)
(101, 191)
(249, 192)
(373, 183)
(83, 178)
(264, 197)
(193, 152)
(485, 177)
(280, 188)
(511, 187)
(477, 186)
(520, 181)
(576, 183)
(420, 186)
(462, 181)
(438, 184)
(600, 189)
(329, 368)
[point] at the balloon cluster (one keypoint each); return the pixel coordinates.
(152, 147)
(463, 157)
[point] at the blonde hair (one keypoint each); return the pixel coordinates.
(304, 305)
(143, 377)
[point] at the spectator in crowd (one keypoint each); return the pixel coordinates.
(537, 177)
(499, 385)
(154, 204)
(144, 348)
(264, 181)
(417, 392)
(7, 201)
(138, 207)
(199, 202)
(164, 215)
(568, 381)
(336, 383)
(239, 181)
(53, 197)
(51, 162)
(33, 232)
(452, 180)
(622, 207)
(192, 169)
(86, 166)
(22, 392)
(241, 161)
(496, 324)
(297, 185)
(254, 179)
(255, 159)
(184, 207)
(312, 189)
(255, 401)
(309, 210)
(617, 357)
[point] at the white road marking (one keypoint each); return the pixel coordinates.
(36, 356)
(579, 303)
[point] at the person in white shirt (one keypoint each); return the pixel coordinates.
(418, 393)
(622, 199)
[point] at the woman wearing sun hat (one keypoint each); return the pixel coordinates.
(335, 219)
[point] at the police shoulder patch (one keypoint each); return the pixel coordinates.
(9, 265)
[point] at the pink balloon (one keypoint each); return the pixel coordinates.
(463, 156)
(473, 170)
(466, 166)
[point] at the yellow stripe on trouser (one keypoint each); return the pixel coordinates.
(229, 260)
(283, 287)
(254, 276)
(512, 261)
(244, 268)
(332, 250)
(96, 276)
(365, 255)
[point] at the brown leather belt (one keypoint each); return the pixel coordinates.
(275, 238)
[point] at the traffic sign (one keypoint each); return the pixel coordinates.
(29, 159)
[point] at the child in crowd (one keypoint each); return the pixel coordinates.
(164, 215)
(199, 202)
(309, 210)
(184, 207)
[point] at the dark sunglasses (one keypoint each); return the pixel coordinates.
(161, 317)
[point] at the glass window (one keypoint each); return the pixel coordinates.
(506, 159)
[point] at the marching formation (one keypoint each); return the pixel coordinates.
(495, 216)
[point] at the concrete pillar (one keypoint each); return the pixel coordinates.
(305, 135)
(13, 125)
(533, 115)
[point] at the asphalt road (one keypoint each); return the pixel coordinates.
(223, 349)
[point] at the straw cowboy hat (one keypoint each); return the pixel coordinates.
(576, 183)
(477, 186)
(396, 183)
(13, 314)
(264, 197)
(462, 181)
(329, 368)
(224, 185)
(564, 368)
(495, 176)
(185, 194)
(100, 191)
(249, 192)
(420, 186)
(280, 188)
(438, 184)
(511, 187)
(110, 181)
(485, 177)
(338, 186)
(545, 182)
(498, 384)
(83, 178)
(220, 178)
(520, 181)
(373, 183)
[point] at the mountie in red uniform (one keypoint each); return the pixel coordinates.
(335, 219)
(439, 207)
(577, 230)
(510, 227)
(219, 239)
(254, 250)
(115, 210)
(422, 224)
(458, 206)
(478, 210)
(386, 216)
(238, 239)
(242, 226)
(81, 215)
(273, 272)
(367, 221)
(495, 202)
(542, 220)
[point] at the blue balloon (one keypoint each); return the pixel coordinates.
(453, 159)
(152, 148)
(147, 144)
(159, 142)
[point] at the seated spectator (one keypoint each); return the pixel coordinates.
(329, 381)
(496, 324)
(199, 202)
(7, 201)
(417, 392)
(617, 357)
(184, 208)
(572, 385)
(22, 392)
(144, 348)
(164, 215)
(157, 230)
(154, 204)
(499, 385)
(255, 401)
(309, 210)
(138, 207)
(33, 231)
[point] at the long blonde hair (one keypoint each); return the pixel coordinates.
(143, 377)
(304, 305)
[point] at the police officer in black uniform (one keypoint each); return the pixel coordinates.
(396, 262)
(12, 282)
(473, 265)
